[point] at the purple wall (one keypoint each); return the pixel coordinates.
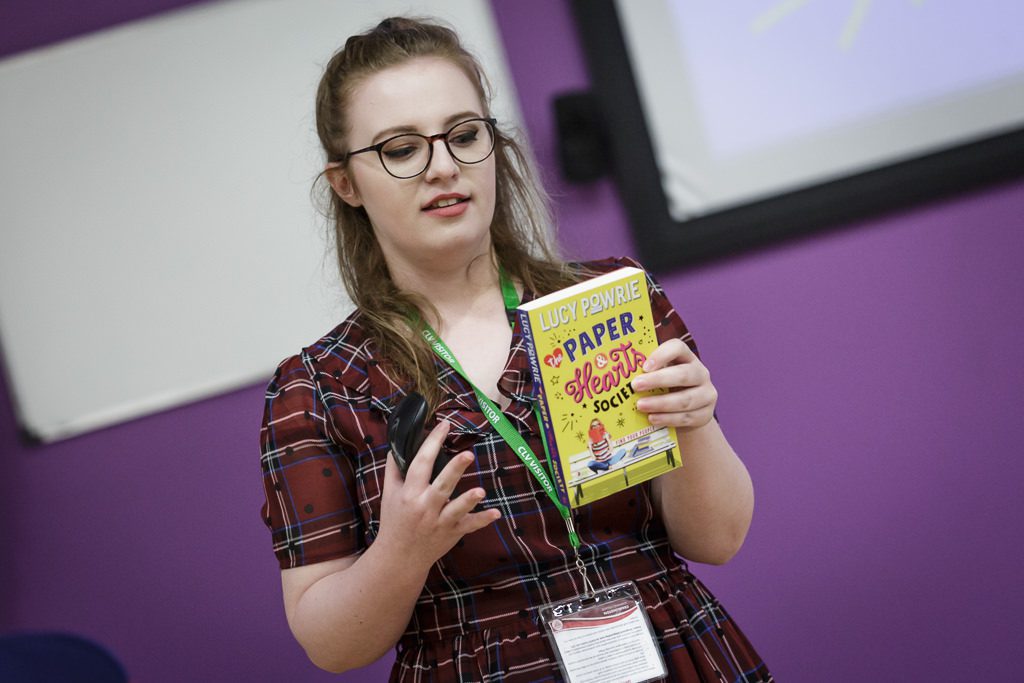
(145, 536)
(871, 379)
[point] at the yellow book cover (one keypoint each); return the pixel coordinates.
(586, 343)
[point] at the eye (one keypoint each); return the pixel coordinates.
(402, 148)
(465, 135)
(400, 152)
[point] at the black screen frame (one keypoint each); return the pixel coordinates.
(666, 244)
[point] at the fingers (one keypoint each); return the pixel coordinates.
(689, 397)
(478, 520)
(448, 478)
(422, 467)
(682, 401)
(459, 512)
(421, 517)
(392, 475)
(463, 505)
(423, 463)
(683, 419)
(672, 351)
(688, 374)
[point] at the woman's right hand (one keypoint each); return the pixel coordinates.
(336, 609)
(418, 520)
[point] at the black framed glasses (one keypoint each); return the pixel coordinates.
(408, 155)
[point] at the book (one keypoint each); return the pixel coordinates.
(586, 343)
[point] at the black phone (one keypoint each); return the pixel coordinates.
(406, 435)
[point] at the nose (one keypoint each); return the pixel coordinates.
(442, 163)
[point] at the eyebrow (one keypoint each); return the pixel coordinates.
(448, 122)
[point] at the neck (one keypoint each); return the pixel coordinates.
(455, 292)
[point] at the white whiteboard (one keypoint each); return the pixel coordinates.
(158, 243)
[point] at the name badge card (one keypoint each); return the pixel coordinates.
(604, 637)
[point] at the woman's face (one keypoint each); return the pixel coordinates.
(426, 95)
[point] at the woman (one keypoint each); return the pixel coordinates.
(432, 205)
(600, 446)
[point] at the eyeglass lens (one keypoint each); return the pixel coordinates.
(405, 156)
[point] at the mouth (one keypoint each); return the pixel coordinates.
(445, 201)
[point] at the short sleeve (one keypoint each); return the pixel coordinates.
(308, 477)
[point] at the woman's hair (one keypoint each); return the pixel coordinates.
(521, 219)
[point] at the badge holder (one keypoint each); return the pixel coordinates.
(604, 636)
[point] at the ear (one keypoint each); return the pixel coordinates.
(342, 184)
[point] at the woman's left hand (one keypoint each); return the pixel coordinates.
(691, 397)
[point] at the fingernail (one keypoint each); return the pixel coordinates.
(639, 384)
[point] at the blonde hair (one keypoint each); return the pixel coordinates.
(519, 230)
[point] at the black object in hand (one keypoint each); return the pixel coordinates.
(405, 433)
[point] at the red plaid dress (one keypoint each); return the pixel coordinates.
(323, 452)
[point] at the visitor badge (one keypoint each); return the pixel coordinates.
(604, 637)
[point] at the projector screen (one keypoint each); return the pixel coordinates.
(726, 109)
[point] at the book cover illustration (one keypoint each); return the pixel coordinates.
(586, 343)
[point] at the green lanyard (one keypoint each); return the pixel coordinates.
(497, 418)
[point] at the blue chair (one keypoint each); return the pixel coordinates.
(49, 657)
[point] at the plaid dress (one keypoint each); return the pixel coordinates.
(323, 452)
